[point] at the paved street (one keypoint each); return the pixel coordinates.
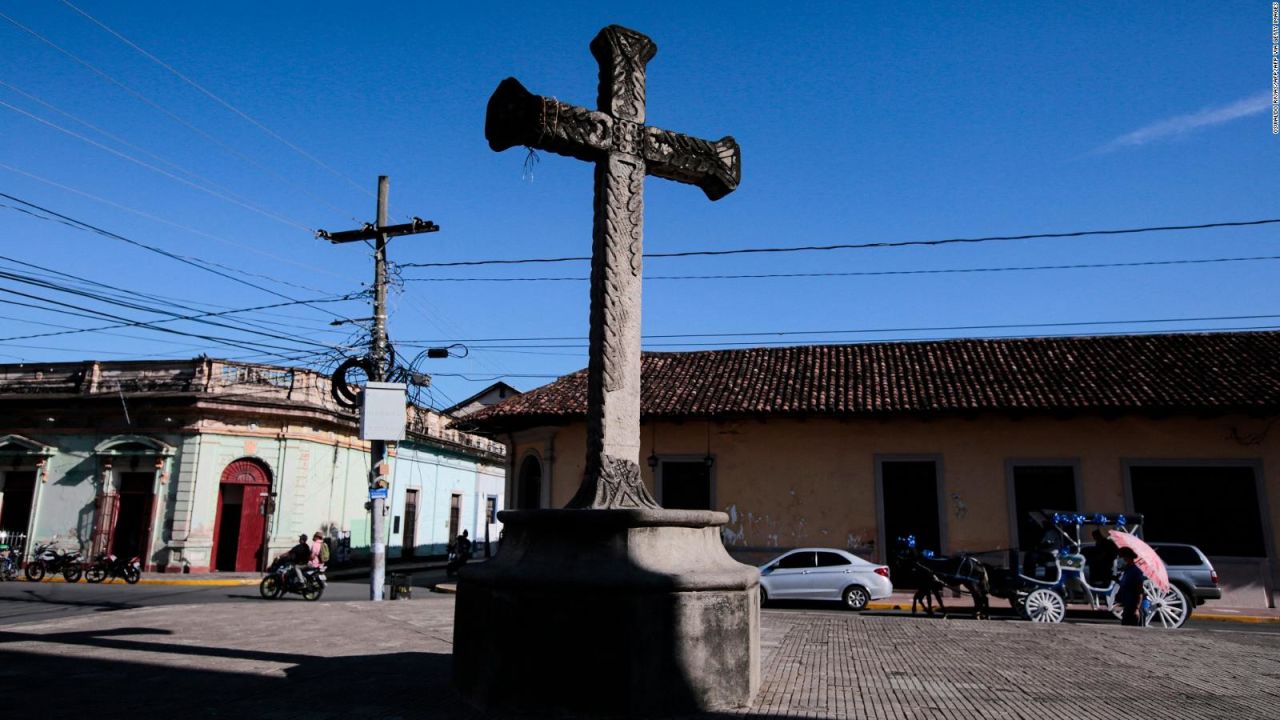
(392, 660)
(22, 602)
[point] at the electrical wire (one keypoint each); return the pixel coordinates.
(225, 147)
(867, 245)
(780, 333)
(186, 228)
(220, 195)
(874, 273)
(182, 259)
(222, 102)
(122, 293)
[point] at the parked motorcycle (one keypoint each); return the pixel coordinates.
(281, 579)
(8, 563)
(48, 560)
(110, 566)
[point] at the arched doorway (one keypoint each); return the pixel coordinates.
(529, 484)
(240, 524)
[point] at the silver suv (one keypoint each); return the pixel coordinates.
(1190, 570)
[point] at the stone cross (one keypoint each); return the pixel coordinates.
(624, 150)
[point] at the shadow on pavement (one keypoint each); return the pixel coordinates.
(100, 605)
(203, 685)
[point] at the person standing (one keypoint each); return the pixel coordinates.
(1130, 593)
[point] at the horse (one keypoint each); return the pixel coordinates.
(962, 573)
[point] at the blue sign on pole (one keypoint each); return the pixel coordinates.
(375, 493)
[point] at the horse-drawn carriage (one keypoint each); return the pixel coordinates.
(1062, 569)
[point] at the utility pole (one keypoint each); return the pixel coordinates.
(379, 232)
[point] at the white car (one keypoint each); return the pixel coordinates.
(824, 574)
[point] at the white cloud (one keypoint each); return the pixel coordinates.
(1184, 124)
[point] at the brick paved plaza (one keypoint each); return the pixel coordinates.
(290, 659)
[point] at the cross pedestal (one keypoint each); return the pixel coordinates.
(612, 605)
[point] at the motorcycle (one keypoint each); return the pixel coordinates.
(49, 560)
(281, 579)
(110, 566)
(459, 555)
(8, 563)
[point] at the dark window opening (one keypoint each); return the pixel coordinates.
(909, 489)
(529, 484)
(1214, 508)
(686, 485)
(1040, 487)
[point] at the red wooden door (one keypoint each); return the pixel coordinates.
(250, 540)
(253, 525)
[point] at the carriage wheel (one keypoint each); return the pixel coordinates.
(1169, 610)
(1045, 606)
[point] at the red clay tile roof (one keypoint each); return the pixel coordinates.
(1138, 373)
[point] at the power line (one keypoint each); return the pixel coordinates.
(162, 171)
(870, 273)
(174, 319)
(782, 333)
(220, 101)
(243, 344)
(194, 231)
(131, 305)
(148, 101)
(867, 245)
(125, 293)
(134, 306)
(182, 259)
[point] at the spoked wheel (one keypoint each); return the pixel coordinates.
(132, 575)
(95, 574)
(270, 588)
(856, 597)
(35, 571)
(1046, 606)
(1169, 610)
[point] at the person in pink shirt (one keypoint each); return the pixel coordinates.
(317, 541)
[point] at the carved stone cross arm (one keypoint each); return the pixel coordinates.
(518, 117)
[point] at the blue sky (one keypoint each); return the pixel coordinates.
(858, 123)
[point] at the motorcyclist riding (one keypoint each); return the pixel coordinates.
(299, 555)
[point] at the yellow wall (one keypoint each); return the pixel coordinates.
(789, 483)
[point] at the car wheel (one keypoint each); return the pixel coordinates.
(764, 597)
(856, 597)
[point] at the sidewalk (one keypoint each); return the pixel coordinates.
(232, 579)
(290, 658)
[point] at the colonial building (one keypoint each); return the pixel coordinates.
(200, 465)
(852, 446)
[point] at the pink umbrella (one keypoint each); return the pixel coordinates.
(1148, 561)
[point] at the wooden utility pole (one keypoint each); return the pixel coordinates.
(379, 232)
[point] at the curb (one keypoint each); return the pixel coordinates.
(230, 582)
(1255, 619)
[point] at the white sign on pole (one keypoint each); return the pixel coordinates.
(382, 416)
